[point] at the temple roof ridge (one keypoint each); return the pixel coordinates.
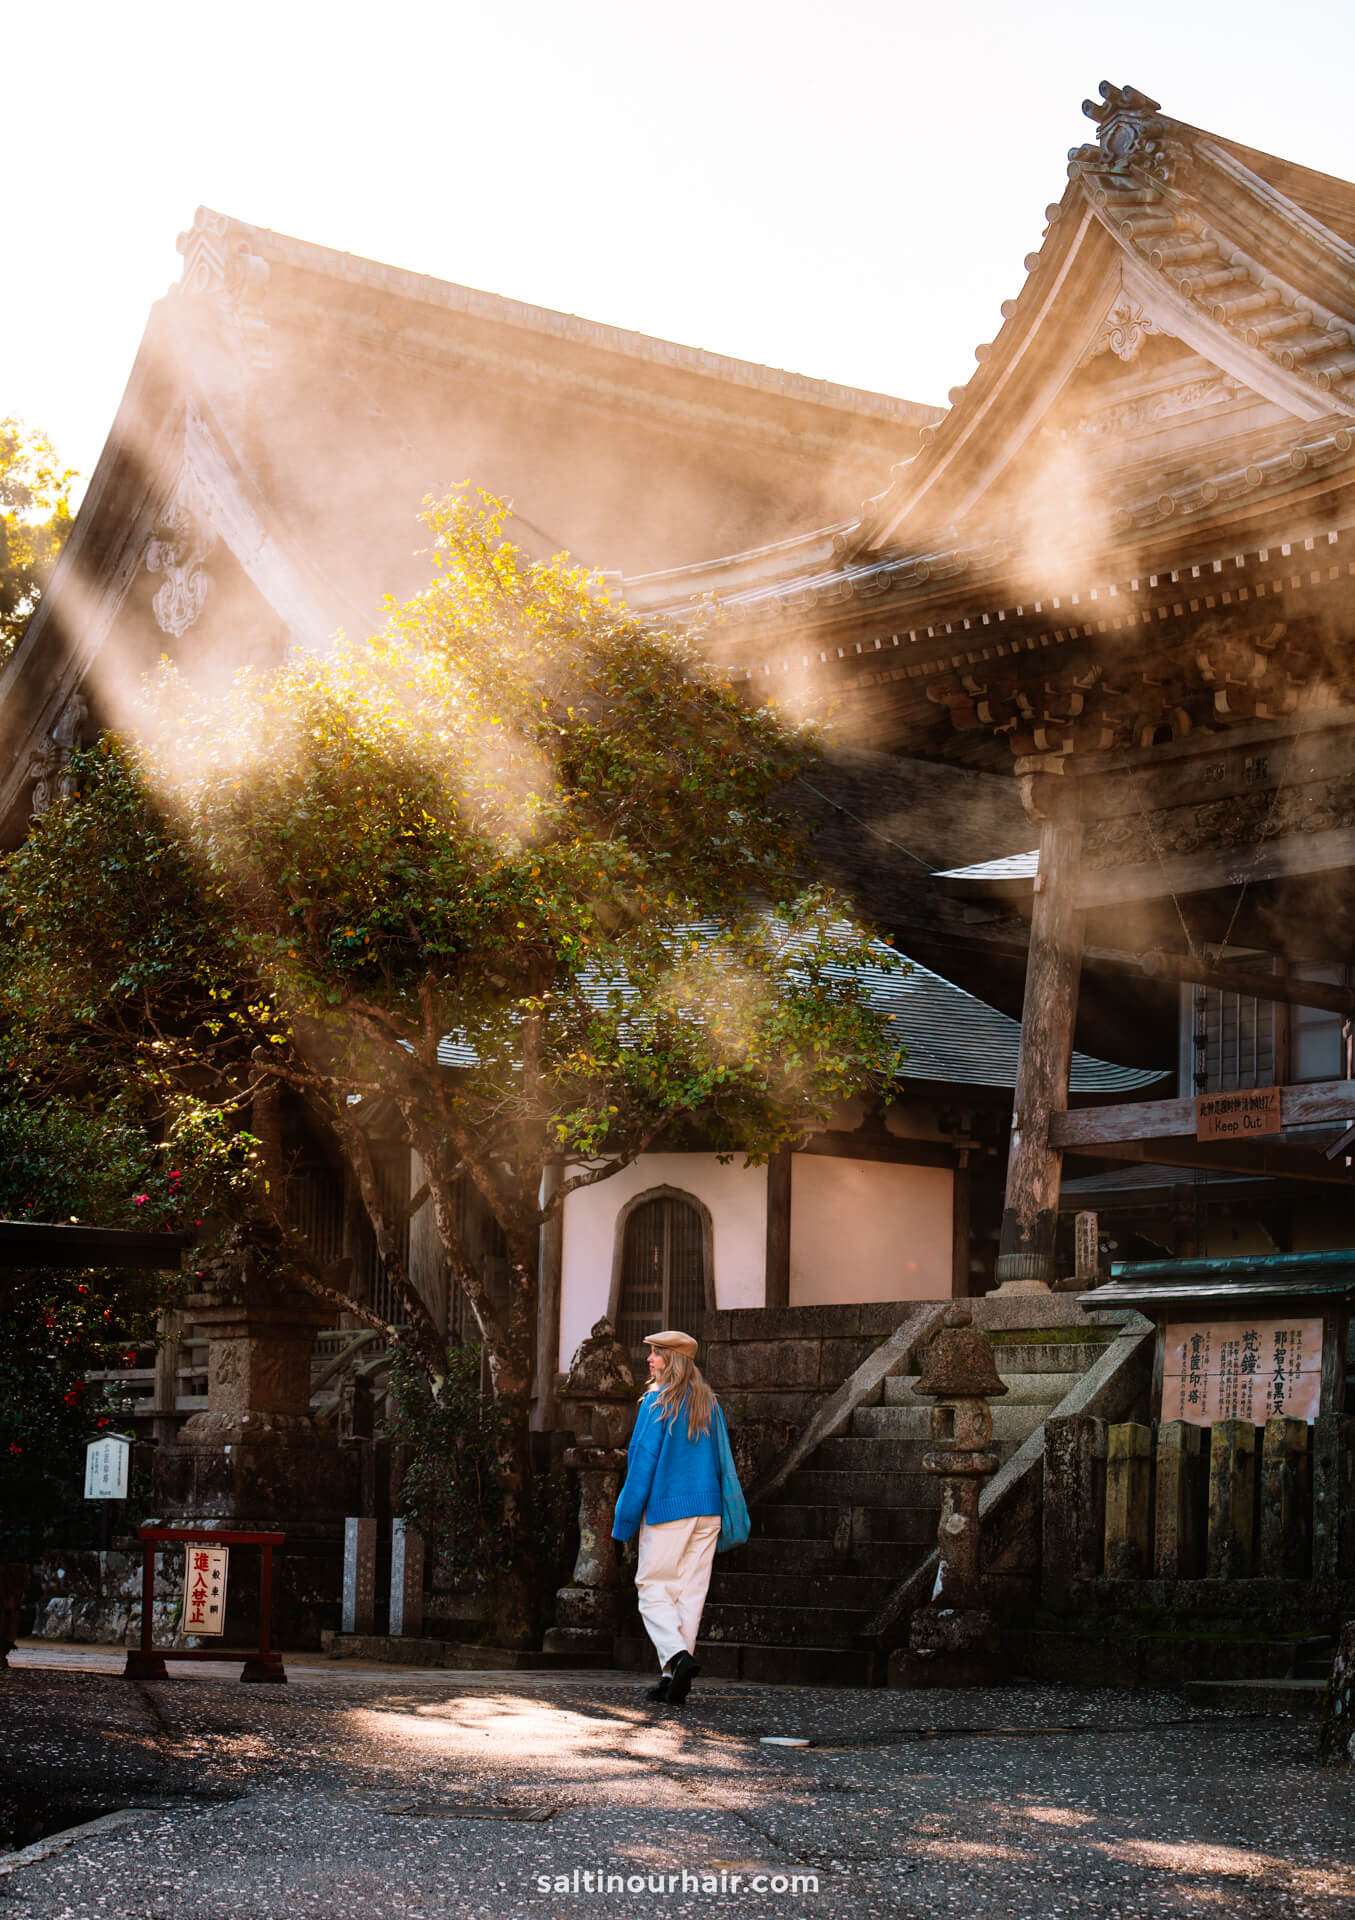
(230, 258)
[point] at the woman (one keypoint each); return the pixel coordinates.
(678, 1476)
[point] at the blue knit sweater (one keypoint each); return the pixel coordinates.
(668, 1475)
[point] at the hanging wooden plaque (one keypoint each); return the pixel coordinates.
(1248, 1114)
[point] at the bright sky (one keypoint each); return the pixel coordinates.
(845, 189)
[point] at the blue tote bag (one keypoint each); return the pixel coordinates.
(734, 1522)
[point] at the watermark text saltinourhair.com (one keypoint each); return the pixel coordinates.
(584, 1880)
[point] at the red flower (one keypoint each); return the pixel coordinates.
(141, 1200)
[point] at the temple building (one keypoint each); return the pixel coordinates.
(1085, 642)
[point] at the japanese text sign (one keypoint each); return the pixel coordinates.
(204, 1589)
(1248, 1114)
(1242, 1370)
(106, 1467)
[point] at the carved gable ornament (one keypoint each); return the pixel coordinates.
(181, 543)
(49, 763)
(1124, 329)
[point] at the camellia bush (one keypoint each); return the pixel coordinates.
(66, 1160)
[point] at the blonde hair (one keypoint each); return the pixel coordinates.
(681, 1381)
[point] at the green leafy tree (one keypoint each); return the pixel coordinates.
(517, 868)
(35, 518)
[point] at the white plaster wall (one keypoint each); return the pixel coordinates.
(868, 1230)
(736, 1196)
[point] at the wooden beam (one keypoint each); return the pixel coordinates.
(1212, 872)
(33, 1243)
(1287, 989)
(1257, 1160)
(1097, 1127)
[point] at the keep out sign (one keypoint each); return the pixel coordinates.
(204, 1589)
(1248, 1115)
(1241, 1370)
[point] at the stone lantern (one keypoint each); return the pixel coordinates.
(598, 1402)
(953, 1640)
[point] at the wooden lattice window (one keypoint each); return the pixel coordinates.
(664, 1277)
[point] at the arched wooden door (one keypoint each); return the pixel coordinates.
(664, 1280)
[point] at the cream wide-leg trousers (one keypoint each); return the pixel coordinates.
(671, 1580)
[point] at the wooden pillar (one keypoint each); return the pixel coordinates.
(550, 1281)
(1025, 1261)
(959, 1221)
(778, 1230)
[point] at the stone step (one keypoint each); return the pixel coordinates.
(914, 1423)
(1023, 1390)
(784, 1666)
(901, 1525)
(783, 1626)
(853, 1592)
(1051, 1356)
(888, 1559)
(893, 1458)
(1302, 1696)
(861, 1487)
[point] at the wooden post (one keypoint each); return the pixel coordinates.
(1073, 1508)
(1129, 1513)
(1285, 1499)
(1025, 1261)
(778, 1230)
(550, 1280)
(1232, 1499)
(1178, 1535)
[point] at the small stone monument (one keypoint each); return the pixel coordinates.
(953, 1641)
(598, 1402)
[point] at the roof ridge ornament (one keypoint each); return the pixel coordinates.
(220, 264)
(1133, 136)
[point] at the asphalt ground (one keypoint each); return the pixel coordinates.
(357, 1794)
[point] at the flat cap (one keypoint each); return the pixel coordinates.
(676, 1342)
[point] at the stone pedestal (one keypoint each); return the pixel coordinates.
(1337, 1734)
(255, 1459)
(588, 1610)
(954, 1641)
(599, 1403)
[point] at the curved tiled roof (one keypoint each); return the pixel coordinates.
(950, 1036)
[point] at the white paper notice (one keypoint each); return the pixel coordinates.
(106, 1468)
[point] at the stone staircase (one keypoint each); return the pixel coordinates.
(850, 1523)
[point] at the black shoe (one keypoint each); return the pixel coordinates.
(660, 1692)
(680, 1680)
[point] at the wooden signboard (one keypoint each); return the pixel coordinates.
(1248, 1369)
(106, 1467)
(204, 1589)
(1249, 1114)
